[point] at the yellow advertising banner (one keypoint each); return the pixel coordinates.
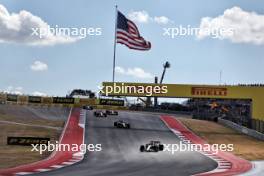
(256, 94)
(47, 100)
(2, 97)
(22, 99)
(87, 101)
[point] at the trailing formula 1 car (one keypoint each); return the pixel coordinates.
(88, 107)
(100, 114)
(121, 124)
(152, 146)
(111, 112)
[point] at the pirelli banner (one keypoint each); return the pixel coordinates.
(208, 91)
(63, 100)
(111, 102)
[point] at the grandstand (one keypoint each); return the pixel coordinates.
(238, 111)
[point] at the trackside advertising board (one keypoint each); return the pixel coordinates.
(63, 100)
(27, 141)
(111, 102)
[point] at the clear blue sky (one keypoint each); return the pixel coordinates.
(88, 62)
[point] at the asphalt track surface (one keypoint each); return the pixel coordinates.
(120, 154)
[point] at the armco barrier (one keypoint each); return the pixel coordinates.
(228, 164)
(73, 133)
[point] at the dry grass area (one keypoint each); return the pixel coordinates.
(11, 156)
(244, 146)
(31, 121)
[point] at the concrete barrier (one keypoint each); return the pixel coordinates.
(241, 129)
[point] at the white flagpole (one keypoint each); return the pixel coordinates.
(114, 59)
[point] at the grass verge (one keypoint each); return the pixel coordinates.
(11, 156)
(244, 146)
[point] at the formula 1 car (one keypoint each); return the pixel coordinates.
(100, 114)
(121, 124)
(88, 107)
(152, 146)
(111, 112)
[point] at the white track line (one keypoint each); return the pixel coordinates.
(220, 168)
(77, 157)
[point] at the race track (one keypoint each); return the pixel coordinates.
(120, 154)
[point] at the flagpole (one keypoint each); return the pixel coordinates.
(114, 59)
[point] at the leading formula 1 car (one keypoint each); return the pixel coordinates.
(111, 112)
(152, 146)
(121, 124)
(100, 114)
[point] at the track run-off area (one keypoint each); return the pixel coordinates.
(120, 155)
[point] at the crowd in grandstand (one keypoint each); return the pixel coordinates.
(251, 85)
(238, 111)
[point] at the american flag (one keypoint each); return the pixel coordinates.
(127, 33)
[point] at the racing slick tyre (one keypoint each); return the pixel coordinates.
(142, 148)
(115, 124)
(161, 147)
(128, 126)
(156, 149)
